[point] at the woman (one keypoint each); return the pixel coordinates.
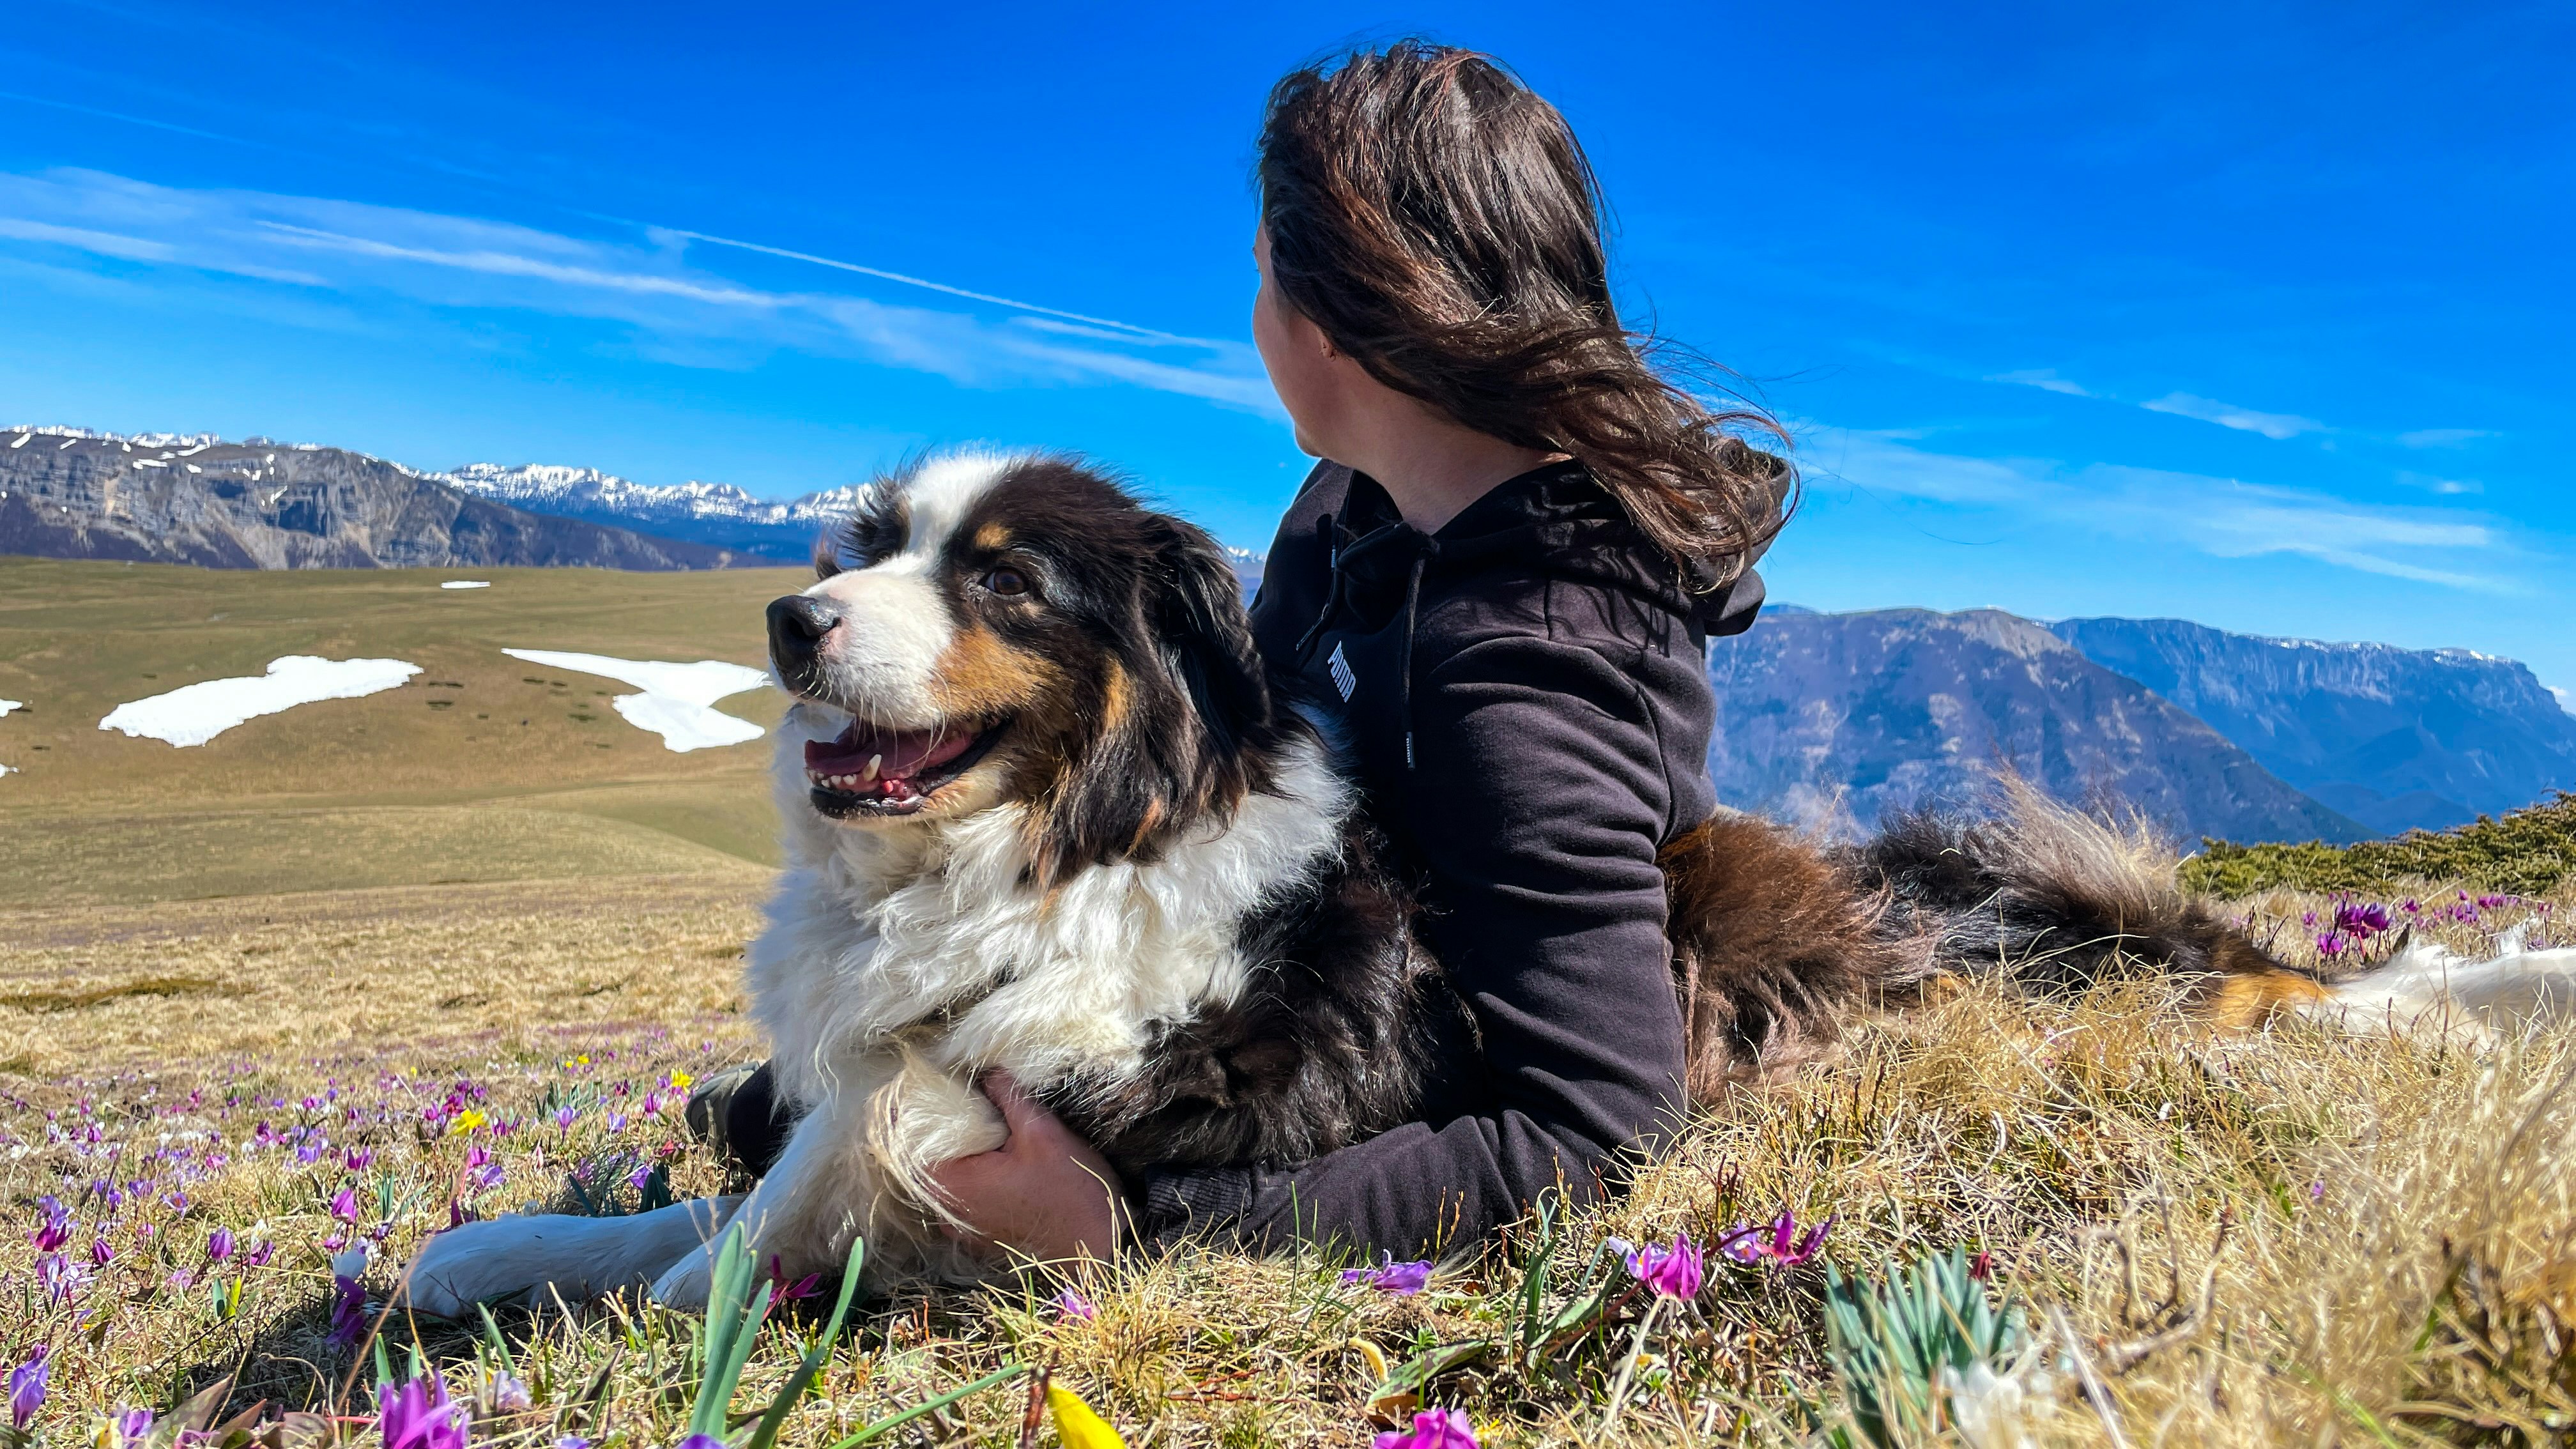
(1506, 570)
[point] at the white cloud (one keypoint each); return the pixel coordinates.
(678, 308)
(2228, 415)
(2447, 487)
(2218, 517)
(2443, 437)
(2044, 378)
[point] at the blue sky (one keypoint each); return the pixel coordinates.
(2253, 315)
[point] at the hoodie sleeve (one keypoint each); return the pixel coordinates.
(1538, 800)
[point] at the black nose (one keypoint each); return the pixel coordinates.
(797, 625)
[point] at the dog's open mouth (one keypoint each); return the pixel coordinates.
(871, 770)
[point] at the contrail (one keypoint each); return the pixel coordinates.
(1128, 327)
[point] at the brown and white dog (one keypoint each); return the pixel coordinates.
(1046, 811)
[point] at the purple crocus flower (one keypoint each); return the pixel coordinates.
(219, 1245)
(1071, 1304)
(1673, 1271)
(259, 1255)
(805, 1287)
(55, 1229)
(27, 1389)
(131, 1427)
(419, 1416)
(503, 1393)
(1432, 1429)
(344, 1205)
(565, 1117)
(1783, 1248)
(2359, 921)
(348, 1300)
(702, 1441)
(60, 1277)
(357, 1159)
(101, 1252)
(1401, 1279)
(2330, 944)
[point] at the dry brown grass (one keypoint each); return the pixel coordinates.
(2384, 1227)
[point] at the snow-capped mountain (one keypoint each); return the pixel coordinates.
(719, 514)
(195, 499)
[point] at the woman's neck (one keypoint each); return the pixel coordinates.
(1434, 469)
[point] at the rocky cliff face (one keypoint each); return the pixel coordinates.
(162, 498)
(2395, 738)
(1839, 718)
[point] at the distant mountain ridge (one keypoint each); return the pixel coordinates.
(710, 513)
(196, 499)
(2395, 738)
(717, 514)
(1838, 719)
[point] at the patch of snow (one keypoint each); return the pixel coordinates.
(6, 770)
(197, 713)
(22, 440)
(7, 705)
(466, 584)
(677, 698)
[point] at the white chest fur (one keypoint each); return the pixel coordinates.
(932, 939)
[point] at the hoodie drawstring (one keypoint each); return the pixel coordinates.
(1412, 610)
(1323, 616)
(1425, 549)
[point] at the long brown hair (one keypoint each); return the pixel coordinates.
(1441, 224)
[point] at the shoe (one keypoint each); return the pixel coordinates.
(709, 1105)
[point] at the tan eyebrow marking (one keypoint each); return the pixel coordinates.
(992, 537)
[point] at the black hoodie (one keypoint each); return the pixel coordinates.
(1526, 694)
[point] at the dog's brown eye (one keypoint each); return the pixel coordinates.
(1009, 583)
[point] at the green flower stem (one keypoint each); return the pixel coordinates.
(1628, 1365)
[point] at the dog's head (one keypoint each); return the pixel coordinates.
(987, 630)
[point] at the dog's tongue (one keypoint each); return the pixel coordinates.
(902, 753)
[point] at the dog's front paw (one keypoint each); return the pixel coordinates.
(687, 1283)
(474, 1263)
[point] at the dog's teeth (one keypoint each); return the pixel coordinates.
(874, 761)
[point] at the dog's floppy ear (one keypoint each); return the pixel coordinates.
(1187, 728)
(1208, 636)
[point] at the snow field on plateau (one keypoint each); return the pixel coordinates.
(678, 699)
(196, 713)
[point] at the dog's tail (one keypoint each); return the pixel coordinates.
(1779, 940)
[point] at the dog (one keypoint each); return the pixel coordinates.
(1046, 810)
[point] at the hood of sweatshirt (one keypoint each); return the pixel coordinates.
(1554, 519)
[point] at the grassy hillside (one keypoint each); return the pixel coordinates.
(2528, 852)
(481, 768)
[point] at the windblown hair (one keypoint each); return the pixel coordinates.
(1440, 223)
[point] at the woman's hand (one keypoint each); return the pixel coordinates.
(1045, 1193)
